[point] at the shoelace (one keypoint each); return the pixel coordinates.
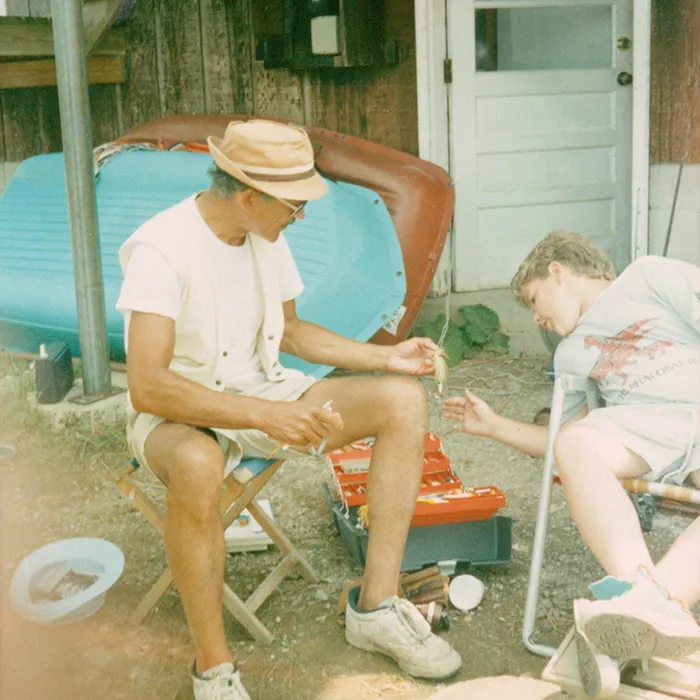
(230, 688)
(412, 619)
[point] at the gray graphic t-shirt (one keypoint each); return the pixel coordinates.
(640, 339)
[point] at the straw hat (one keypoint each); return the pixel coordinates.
(270, 157)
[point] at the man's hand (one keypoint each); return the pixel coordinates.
(413, 356)
(299, 423)
(473, 414)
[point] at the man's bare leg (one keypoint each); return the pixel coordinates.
(191, 464)
(394, 410)
(590, 464)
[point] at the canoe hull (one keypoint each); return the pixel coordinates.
(418, 194)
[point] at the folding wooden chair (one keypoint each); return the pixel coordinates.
(562, 385)
(235, 497)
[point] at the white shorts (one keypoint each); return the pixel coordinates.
(235, 444)
(666, 437)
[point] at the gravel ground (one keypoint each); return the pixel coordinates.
(56, 485)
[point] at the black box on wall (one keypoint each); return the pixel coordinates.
(300, 34)
(53, 372)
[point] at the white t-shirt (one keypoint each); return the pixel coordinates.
(640, 339)
(152, 285)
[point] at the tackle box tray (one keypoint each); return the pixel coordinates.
(350, 463)
(478, 542)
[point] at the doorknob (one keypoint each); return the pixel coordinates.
(624, 78)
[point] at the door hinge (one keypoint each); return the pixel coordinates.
(447, 70)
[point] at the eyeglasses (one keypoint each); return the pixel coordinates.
(296, 208)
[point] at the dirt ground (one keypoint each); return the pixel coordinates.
(57, 486)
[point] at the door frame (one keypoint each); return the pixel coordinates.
(434, 106)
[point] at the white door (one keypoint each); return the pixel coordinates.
(540, 129)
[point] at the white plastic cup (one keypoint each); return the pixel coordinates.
(466, 592)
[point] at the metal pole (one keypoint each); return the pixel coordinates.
(641, 59)
(71, 71)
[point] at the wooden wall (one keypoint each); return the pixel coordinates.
(190, 56)
(675, 80)
(29, 122)
(194, 56)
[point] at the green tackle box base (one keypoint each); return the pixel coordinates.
(478, 542)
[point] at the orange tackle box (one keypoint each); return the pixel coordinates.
(441, 498)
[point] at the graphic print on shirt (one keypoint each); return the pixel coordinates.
(621, 350)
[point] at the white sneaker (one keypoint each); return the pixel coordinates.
(599, 674)
(641, 624)
(398, 630)
(221, 682)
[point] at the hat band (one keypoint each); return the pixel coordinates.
(280, 178)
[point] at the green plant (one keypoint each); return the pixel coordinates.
(477, 331)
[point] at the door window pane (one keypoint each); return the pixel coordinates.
(544, 38)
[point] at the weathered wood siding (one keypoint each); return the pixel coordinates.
(194, 56)
(379, 104)
(29, 121)
(189, 56)
(675, 80)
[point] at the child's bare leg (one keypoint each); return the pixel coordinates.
(642, 622)
(590, 464)
(679, 570)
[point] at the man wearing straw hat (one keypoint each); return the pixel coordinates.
(208, 297)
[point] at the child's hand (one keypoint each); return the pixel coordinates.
(473, 414)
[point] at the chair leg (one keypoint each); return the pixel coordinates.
(141, 502)
(152, 597)
(268, 586)
(282, 541)
(243, 612)
(245, 616)
(533, 586)
(235, 498)
(562, 384)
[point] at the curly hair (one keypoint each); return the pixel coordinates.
(573, 250)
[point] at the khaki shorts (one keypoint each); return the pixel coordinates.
(667, 436)
(236, 444)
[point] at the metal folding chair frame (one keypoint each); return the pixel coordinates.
(562, 385)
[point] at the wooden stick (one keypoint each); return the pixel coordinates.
(678, 493)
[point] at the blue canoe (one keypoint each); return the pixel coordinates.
(346, 249)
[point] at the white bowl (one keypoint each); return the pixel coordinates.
(47, 566)
(466, 592)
